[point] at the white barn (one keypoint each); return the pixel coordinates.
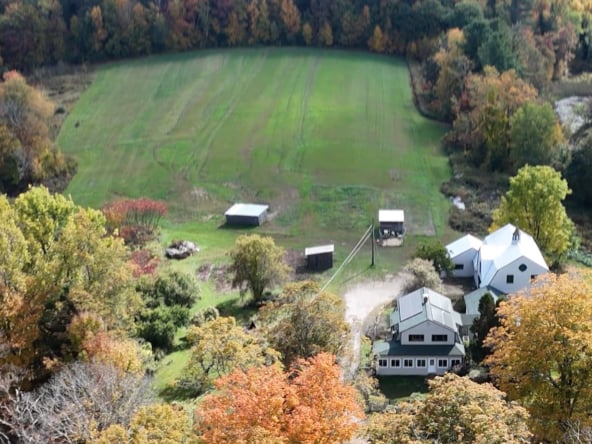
(508, 260)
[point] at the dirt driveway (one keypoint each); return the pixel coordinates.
(361, 300)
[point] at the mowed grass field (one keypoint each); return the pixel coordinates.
(325, 137)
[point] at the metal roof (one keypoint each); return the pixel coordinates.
(472, 299)
(319, 249)
(425, 305)
(245, 209)
(465, 243)
(394, 348)
(391, 216)
(500, 249)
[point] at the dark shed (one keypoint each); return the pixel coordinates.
(319, 258)
(241, 214)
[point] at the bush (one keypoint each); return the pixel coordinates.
(433, 250)
(423, 274)
(176, 289)
(135, 220)
(206, 315)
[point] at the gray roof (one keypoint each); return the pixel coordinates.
(425, 305)
(243, 209)
(394, 348)
(472, 299)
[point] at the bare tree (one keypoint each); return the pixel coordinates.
(79, 399)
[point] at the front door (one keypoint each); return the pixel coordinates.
(432, 366)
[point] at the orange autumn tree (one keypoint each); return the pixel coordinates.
(308, 404)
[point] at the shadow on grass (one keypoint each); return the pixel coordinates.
(242, 312)
(396, 388)
(176, 392)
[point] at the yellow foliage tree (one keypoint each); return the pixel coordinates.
(456, 410)
(542, 352)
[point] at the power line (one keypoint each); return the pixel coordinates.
(351, 255)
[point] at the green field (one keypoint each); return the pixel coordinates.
(325, 137)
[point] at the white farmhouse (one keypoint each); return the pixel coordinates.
(507, 260)
(426, 336)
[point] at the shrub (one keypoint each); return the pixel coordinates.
(423, 274)
(135, 220)
(433, 250)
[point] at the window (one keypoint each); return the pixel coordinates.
(420, 363)
(510, 279)
(415, 338)
(439, 338)
(454, 362)
(442, 363)
(459, 266)
(396, 363)
(522, 267)
(407, 363)
(533, 276)
(382, 363)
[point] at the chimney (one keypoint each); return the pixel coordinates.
(516, 236)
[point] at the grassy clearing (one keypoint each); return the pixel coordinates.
(325, 137)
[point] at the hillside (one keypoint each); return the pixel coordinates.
(324, 137)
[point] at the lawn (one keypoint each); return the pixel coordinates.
(324, 137)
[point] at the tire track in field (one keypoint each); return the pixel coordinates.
(300, 141)
(284, 150)
(239, 91)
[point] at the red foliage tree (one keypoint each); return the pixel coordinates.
(135, 220)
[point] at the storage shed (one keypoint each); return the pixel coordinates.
(320, 257)
(391, 223)
(242, 214)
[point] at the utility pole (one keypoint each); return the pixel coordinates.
(373, 244)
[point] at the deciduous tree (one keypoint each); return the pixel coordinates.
(218, 347)
(534, 204)
(535, 135)
(303, 321)
(265, 405)
(456, 410)
(67, 265)
(257, 264)
(541, 352)
(151, 424)
(79, 400)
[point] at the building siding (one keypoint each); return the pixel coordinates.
(389, 370)
(521, 278)
(428, 329)
(466, 259)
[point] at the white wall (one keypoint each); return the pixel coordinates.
(390, 370)
(521, 278)
(466, 259)
(427, 329)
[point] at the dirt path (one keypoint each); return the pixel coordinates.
(361, 300)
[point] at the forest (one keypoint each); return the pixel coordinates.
(88, 313)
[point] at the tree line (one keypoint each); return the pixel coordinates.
(532, 36)
(486, 65)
